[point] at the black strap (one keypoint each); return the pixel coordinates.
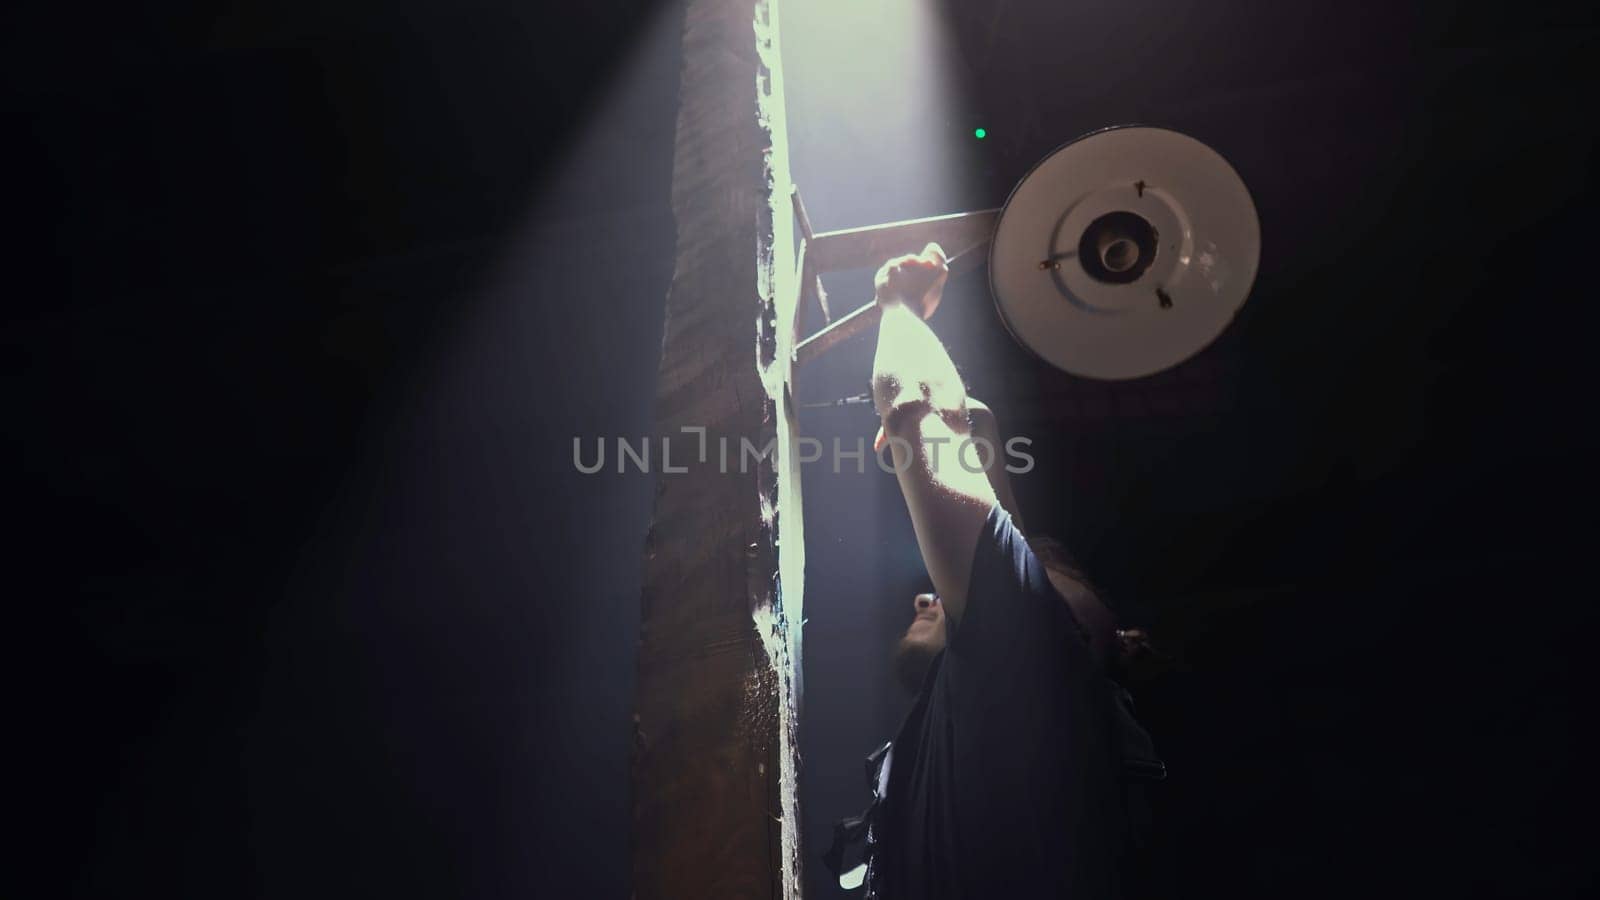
(854, 829)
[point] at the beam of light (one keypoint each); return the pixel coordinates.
(876, 111)
(878, 133)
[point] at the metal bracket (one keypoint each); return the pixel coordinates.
(964, 236)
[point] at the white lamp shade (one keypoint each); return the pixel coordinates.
(1092, 296)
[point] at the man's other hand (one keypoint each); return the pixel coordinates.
(917, 281)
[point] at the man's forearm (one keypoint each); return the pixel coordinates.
(986, 435)
(912, 367)
(919, 396)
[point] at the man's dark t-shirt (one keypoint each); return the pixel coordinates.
(1005, 778)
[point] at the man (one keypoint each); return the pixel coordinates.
(1009, 778)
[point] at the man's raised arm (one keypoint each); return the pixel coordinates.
(922, 402)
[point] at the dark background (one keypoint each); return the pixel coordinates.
(311, 300)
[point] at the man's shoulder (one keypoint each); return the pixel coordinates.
(1012, 604)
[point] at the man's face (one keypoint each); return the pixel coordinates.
(923, 640)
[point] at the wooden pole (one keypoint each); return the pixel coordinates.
(714, 757)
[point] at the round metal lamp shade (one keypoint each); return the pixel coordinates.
(1124, 252)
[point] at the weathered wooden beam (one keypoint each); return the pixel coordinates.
(714, 759)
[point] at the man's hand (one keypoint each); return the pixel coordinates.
(917, 281)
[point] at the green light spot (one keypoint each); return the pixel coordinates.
(980, 134)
